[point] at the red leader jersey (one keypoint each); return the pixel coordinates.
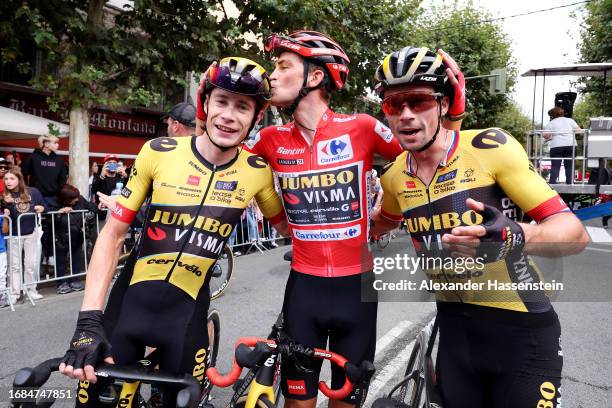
(326, 187)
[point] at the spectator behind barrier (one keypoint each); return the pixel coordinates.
(94, 171)
(19, 199)
(46, 171)
(13, 158)
(69, 236)
(110, 175)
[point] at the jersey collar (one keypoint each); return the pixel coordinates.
(450, 151)
(208, 164)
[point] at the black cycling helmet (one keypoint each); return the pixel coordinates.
(318, 49)
(413, 66)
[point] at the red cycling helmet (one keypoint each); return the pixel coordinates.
(316, 48)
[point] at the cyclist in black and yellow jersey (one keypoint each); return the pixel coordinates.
(461, 191)
(199, 187)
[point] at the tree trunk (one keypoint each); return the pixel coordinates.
(79, 149)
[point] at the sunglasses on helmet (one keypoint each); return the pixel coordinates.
(244, 83)
(287, 43)
(416, 102)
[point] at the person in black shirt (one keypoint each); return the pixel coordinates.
(17, 199)
(69, 236)
(45, 170)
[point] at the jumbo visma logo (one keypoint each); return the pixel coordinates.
(444, 221)
(204, 232)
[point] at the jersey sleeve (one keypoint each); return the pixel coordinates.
(138, 186)
(390, 206)
(517, 177)
(268, 200)
(384, 143)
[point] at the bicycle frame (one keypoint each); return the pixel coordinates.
(260, 382)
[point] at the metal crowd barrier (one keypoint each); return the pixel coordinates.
(25, 286)
(6, 290)
(538, 150)
(249, 233)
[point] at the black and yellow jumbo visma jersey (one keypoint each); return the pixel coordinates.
(486, 165)
(194, 208)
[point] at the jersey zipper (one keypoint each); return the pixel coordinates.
(438, 243)
(326, 250)
(212, 176)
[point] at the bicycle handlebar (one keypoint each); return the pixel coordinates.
(187, 397)
(230, 378)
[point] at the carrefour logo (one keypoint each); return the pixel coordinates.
(331, 234)
(335, 150)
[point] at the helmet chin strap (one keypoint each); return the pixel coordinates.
(303, 92)
(433, 139)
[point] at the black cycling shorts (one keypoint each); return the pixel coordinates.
(490, 357)
(317, 309)
(154, 314)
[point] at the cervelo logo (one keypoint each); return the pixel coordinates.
(335, 150)
(284, 150)
(331, 234)
(383, 131)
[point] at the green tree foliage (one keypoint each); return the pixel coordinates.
(514, 121)
(96, 55)
(478, 47)
(366, 30)
(596, 46)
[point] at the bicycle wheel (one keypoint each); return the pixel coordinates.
(214, 334)
(221, 272)
(411, 386)
(383, 240)
(262, 402)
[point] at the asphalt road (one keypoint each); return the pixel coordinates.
(251, 304)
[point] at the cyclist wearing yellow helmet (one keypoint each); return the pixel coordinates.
(199, 186)
(497, 348)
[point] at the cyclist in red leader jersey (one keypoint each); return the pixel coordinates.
(324, 162)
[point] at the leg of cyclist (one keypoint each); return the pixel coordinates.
(503, 362)
(123, 349)
(303, 315)
(186, 350)
(316, 308)
(353, 332)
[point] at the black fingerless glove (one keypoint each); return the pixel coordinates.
(89, 344)
(503, 237)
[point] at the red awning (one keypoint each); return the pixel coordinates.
(99, 144)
